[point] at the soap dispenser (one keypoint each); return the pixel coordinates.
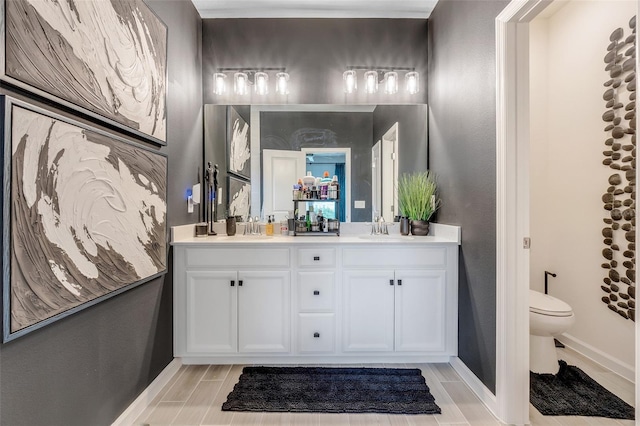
(269, 227)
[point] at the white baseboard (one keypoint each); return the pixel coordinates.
(610, 362)
(129, 416)
(486, 396)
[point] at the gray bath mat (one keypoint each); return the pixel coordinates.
(332, 390)
(572, 392)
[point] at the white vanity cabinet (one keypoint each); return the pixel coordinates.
(315, 300)
(218, 310)
(394, 310)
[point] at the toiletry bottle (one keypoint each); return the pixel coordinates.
(308, 222)
(269, 227)
(335, 188)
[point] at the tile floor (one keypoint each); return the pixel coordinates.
(195, 394)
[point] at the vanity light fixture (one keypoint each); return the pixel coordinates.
(350, 81)
(371, 81)
(391, 82)
(219, 83)
(244, 78)
(282, 83)
(375, 75)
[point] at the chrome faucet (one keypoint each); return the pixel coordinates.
(379, 227)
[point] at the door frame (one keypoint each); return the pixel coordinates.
(512, 212)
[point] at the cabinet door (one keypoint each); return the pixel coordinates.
(420, 311)
(368, 310)
(264, 314)
(212, 316)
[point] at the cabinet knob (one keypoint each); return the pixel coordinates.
(233, 283)
(240, 283)
(316, 258)
(316, 335)
(390, 282)
(316, 292)
(399, 282)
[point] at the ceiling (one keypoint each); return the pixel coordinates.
(418, 9)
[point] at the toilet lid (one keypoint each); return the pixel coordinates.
(544, 304)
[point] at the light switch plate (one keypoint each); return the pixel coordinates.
(359, 204)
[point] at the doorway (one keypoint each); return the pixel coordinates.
(512, 211)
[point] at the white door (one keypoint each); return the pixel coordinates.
(368, 311)
(376, 180)
(390, 173)
(420, 311)
(281, 170)
(264, 311)
(212, 315)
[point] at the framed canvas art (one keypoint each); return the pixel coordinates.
(107, 59)
(238, 146)
(239, 197)
(84, 216)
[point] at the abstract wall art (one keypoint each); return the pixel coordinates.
(619, 283)
(239, 197)
(238, 147)
(107, 59)
(84, 216)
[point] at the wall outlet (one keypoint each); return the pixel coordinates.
(359, 204)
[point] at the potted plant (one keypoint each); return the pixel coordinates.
(417, 200)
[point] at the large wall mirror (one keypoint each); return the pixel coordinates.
(264, 149)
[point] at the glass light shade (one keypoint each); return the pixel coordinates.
(262, 83)
(282, 83)
(371, 81)
(391, 82)
(413, 82)
(350, 81)
(219, 83)
(241, 83)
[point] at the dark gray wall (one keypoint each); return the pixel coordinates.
(413, 142)
(315, 52)
(343, 130)
(86, 369)
(462, 139)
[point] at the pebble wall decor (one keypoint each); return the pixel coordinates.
(619, 283)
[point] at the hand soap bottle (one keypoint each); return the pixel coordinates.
(269, 227)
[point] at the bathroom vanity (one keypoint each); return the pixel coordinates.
(295, 300)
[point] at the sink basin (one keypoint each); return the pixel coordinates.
(388, 238)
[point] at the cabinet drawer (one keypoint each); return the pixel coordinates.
(316, 333)
(315, 291)
(420, 257)
(238, 257)
(325, 257)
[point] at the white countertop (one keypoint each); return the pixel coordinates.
(355, 234)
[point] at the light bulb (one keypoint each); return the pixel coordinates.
(262, 80)
(282, 83)
(219, 83)
(413, 82)
(350, 81)
(371, 81)
(241, 83)
(391, 82)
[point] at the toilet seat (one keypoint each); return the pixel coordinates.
(543, 304)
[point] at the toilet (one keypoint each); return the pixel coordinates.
(548, 316)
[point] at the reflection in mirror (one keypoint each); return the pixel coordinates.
(284, 139)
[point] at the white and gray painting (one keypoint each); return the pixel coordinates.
(88, 216)
(239, 198)
(108, 57)
(239, 147)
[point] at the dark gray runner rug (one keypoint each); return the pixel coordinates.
(332, 390)
(572, 393)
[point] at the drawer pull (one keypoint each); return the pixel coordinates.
(399, 282)
(316, 292)
(240, 283)
(233, 283)
(390, 282)
(316, 335)
(316, 258)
